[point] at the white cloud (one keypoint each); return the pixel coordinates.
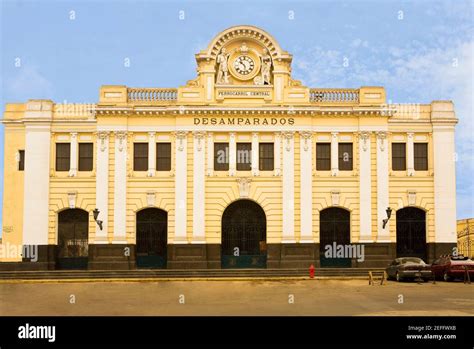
(350, 26)
(359, 43)
(28, 83)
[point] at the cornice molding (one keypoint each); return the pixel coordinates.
(222, 111)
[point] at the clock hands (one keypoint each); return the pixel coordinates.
(243, 65)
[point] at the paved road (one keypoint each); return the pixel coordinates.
(311, 297)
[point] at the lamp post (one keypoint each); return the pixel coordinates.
(389, 214)
(96, 215)
(468, 238)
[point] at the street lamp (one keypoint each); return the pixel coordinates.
(389, 214)
(96, 215)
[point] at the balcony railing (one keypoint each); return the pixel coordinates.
(334, 95)
(170, 95)
(152, 95)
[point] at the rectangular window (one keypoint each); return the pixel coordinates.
(399, 157)
(244, 156)
(221, 156)
(163, 156)
(345, 156)
(86, 156)
(140, 156)
(21, 161)
(421, 156)
(266, 157)
(323, 156)
(63, 156)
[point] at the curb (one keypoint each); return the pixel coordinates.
(111, 280)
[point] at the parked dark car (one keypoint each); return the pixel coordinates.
(452, 267)
(408, 268)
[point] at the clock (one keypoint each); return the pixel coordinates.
(244, 65)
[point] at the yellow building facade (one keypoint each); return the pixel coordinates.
(243, 166)
(466, 237)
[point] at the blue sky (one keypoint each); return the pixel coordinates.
(419, 50)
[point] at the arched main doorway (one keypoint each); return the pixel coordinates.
(73, 235)
(244, 236)
(152, 238)
(411, 232)
(334, 230)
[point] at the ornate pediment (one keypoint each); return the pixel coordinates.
(239, 63)
(243, 55)
(244, 34)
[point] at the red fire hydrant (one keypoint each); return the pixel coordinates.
(311, 271)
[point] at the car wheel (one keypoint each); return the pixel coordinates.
(398, 277)
(446, 277)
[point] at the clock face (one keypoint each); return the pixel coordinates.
(244, 65)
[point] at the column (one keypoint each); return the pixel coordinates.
(36, 184)
(277, 154)
(306, 187)
(180, 187)
(288, 188)
(120, 188)
(102, 185)
(444, 184)
(199, 156)
(279, 80)
(151, 154)
(73, 155)
(210, 154)
(255, 154)
(383, 235)
(209, 78)
(334, 154)
(410, 154)
(365, 188)
(232, 154)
